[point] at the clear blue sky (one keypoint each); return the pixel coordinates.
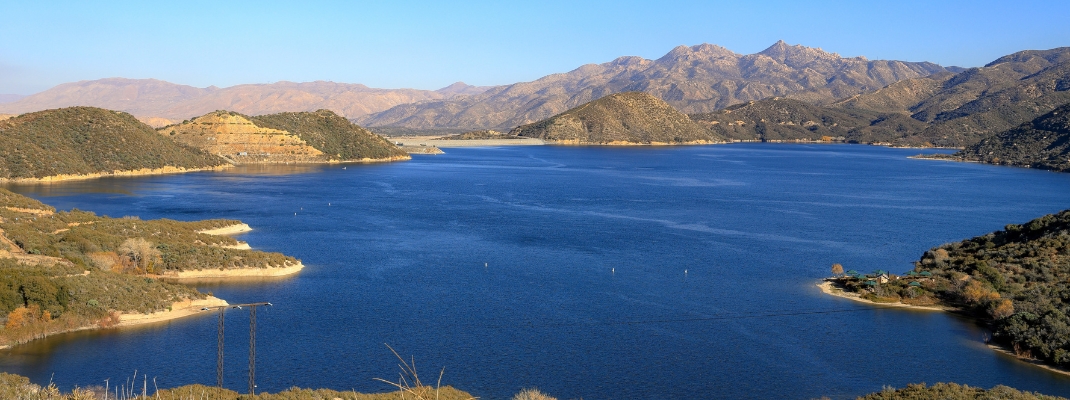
(428, 45)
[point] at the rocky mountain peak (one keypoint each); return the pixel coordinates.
(795, 55)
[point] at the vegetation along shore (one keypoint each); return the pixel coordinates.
(1016, 281)
(63, 271)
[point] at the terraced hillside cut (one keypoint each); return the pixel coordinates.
(282, 138)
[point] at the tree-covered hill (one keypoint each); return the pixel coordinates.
(88, 140)
(622, 118)
(1017, 279)
(335, 136)
(61, 270)
(1041, 143)
(783, 119)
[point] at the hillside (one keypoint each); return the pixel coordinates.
(945, 109)
(780, 119)
(1016, 279)
(316, 137)
(63, 270)
(87, 140)
(1041, 143)
(622, 118)
(696, 79)
(156, 100)
(332, 134)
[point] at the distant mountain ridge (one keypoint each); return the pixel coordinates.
(695, 79)
(169, 102)
(944, 109)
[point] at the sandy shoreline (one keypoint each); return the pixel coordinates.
(235, 273)
(828, 287)
(227, 230)
(137, 172)
(180, 309)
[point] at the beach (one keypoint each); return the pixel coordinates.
(235, 273)
(227, 230)
(179, 309)
(830, 288)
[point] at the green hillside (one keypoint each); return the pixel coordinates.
(69, 269)
(1016, 279)
(332, 134)
(87, 140)
(1041, 143)
(622, 118)
(782, 119)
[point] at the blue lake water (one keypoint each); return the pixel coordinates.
(582, 271)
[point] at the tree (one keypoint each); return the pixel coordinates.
(141, 253)
(837, 269)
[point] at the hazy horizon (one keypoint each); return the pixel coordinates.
(430, 46)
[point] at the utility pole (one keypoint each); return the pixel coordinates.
(252, 342)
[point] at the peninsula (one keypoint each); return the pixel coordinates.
(63, 271)
(1016, 280)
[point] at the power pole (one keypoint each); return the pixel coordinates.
(252, 350)
(219, 354)
(252, 342)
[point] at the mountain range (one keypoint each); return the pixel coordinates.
(943, 109)
(162, 103)
(695, 79)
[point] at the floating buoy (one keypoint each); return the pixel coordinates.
(484, 265)
(613, 270)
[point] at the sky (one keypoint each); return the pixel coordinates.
(429, 45)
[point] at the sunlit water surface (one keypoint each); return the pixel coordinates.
(585, 272)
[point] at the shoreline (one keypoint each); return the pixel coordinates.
(227, 230)
(179, 309)
(827, 287)
(234, 273)
(167, 170)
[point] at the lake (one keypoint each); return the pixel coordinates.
(634, 272)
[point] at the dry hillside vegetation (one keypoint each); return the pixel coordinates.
(1041, 143)
(623, 118)
(305, 137)
(87, 140)
(335, 136)
(234, 137)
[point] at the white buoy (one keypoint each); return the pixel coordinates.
(685, 272)
(484, 265)
(613, 270)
